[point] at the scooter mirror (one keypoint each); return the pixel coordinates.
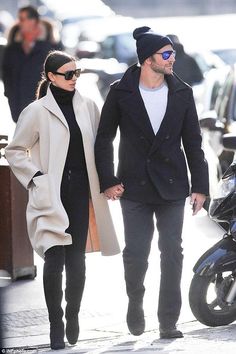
(229, 141)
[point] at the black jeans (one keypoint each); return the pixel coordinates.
(75, 198)
(139, 227)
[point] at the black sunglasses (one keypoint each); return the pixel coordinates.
(69, 74)
(166, 54)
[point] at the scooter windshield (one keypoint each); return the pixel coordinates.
(221, 204)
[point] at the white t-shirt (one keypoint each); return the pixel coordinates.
(155, 101)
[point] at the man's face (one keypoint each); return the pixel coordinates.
(159, 64)
(26, 24)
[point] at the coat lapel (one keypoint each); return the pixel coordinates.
(139, 116)
(80, 109)
(134, 108)
(50, 103)
(133, 104)
(169, 121)
(82, 115)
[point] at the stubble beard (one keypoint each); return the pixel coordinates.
(165, 69)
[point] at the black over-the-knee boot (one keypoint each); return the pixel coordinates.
(75, 280)
(52, 281)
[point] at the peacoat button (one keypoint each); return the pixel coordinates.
(142, 137)
(143, 183)
(167, 137)
(166, 159)
(171, 180)
(148, 160)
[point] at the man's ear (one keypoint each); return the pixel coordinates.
(148, 60)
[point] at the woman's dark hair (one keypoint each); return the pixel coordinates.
(54, 60)
(31, 11)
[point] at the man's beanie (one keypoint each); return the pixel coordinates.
(148, 42)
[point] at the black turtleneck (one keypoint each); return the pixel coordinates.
(75, 159)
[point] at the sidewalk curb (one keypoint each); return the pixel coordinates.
(195, 334)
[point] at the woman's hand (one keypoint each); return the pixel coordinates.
(114, 192)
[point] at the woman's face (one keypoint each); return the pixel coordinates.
(60, 81)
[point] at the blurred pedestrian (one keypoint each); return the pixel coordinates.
(157, 118)
(185, 65)
(52, 155)
(29, 42)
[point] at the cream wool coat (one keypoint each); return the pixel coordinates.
(40, 143)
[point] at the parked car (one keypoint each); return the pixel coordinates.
(213, 81)
(107, 71)
(228, 55)
(113, 36)
(219, 121)
(214, 72)
(106, 47)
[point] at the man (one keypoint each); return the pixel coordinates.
(157, 118)
(29, 42)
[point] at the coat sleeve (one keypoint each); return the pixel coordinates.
(18, 151)
(192, 140)
(104, 151)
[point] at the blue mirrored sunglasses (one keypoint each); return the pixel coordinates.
(166, 54)
(69, 74)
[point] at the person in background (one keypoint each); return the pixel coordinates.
(185, 65)
(52, 155)
(158, 123)
(29, 41)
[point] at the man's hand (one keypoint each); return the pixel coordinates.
(115, 192)
(197, 201)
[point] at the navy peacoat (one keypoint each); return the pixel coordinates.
(151, 165)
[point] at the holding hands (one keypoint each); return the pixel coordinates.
(114, 192)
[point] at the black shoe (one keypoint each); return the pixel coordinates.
(57, 336)
(72, 330)
(170, 333)
(135, 318)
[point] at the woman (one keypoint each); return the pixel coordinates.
(52, 156)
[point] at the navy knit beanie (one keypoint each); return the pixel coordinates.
(148, 42)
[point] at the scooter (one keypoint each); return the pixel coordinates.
(212, 294)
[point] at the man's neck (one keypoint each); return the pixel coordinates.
(151, 80)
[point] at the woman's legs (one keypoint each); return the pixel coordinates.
(75, 197)
(52, 281)
(75, 280)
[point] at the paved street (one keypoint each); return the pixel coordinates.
(102, 318)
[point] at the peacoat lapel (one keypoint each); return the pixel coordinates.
(169, 122)
(132, 103)
(134, 106)
(167, 125)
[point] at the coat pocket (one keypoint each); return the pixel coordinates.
(40, 193)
